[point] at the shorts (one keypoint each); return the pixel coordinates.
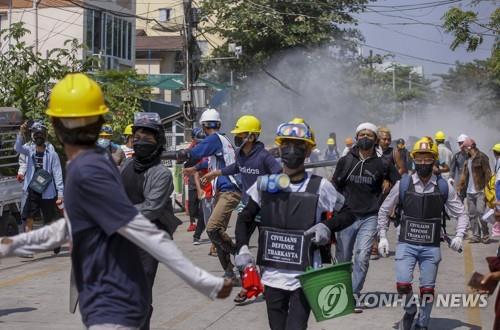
(35, 205)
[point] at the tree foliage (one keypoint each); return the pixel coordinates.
(266, 27)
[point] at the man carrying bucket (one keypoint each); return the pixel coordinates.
(420, 230)
(295, 209)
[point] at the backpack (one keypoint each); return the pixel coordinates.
(489, 192)
(404, 184)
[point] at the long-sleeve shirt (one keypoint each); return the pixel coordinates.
(51, 164)
(454, 207)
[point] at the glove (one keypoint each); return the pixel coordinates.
(322, 234)
(183, 155)
(243, 258)
(383, 247)
(456, 243)
(5, 246)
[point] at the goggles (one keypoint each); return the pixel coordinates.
(300, 131)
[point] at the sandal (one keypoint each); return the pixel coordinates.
(241, 297)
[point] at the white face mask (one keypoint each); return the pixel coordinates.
(103, 143)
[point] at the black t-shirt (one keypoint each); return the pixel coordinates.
(38, 160)
(109, 275)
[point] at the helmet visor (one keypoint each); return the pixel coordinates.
(294, 130)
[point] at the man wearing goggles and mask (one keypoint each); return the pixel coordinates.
(420, 230)
(308, 227)
(105, 142)
(252, 161)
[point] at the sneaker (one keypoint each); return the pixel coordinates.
(486, 239)
(57, 250)
(406, 321)
(27, 256)
(374, 255)
(474, 240)
(192, 227)
(358, 308)
(196, 241)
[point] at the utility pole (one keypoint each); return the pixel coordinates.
(187, 94)
(35, 5)
(409, 80)
(394, 78)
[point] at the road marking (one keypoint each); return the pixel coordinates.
(473, 313)
(25, 277)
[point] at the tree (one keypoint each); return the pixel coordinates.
(26, 77)
(123, 92)
(266, 27)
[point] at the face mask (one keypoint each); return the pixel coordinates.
(143, 150)
(39, 140)
(293, 157)
(103, 143)
(424, 170)
(365, 143)
(238, 141)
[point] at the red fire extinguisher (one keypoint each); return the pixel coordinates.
(251, 281)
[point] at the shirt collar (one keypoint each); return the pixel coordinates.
(416, 179)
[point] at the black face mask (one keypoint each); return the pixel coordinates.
(39, 140)
(293, 157)
(365, 143)
(238, 141)
(144, 151)
(424, 170)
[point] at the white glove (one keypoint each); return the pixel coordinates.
(322, 234)
(456, 243)
(383, 247)
(243, 258)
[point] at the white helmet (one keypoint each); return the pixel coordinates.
(209, 115)
(461, 138)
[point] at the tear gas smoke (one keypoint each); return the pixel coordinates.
(330, 98)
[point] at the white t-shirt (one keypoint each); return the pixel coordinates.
(445, 156)
(471, 187)
(328, 202)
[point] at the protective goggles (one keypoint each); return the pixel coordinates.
(146, 118)
(294, 130)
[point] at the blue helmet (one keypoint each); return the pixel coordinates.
(198, 134)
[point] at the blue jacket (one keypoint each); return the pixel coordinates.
(51, 164)
(210, 146)
(258, 162)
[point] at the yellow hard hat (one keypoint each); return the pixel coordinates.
(296, 129)
(425, 145)
(247, 124)
(496, 147)
(440, 136)
(76, 95)
(128, 130)
(330, 141)
(106, 130)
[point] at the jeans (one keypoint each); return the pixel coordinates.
(428, 258)
(476, 206)
(357, 240)
(286, 310)
(200, 224)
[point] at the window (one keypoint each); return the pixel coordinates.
(165, 14)
(108, 35)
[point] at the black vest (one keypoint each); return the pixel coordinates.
(133, 183)
(422, 217)
(285, 216)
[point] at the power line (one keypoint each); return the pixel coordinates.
(407, 55)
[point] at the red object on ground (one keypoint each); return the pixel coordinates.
(251, 281)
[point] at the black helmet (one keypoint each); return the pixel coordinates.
(150, 120)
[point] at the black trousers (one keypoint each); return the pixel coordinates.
(36, 205)
(286, 310)
(193, 204)
(150, 266)
(200, 224)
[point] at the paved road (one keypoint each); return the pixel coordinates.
(34, 295)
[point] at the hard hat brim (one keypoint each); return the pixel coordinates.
(58, 113)
(278, 140)
(238, 131)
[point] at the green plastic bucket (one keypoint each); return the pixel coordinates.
(329, 290)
